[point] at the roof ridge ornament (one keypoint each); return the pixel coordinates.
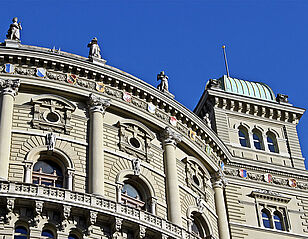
(95, 53)
(13, 34)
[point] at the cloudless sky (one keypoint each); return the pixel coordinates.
(267, 40)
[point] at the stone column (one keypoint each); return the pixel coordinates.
(27, 177)
(170, 138)
(70, 176)
(9, 91)
(219, 182)
(97, 108)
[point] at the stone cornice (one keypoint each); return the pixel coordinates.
(96, 204)
(113, 78)
(251, 106)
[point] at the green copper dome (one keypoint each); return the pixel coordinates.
(248, 88)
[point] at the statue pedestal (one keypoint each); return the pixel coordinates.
(12, 43)
(167, 93)
(97, 61)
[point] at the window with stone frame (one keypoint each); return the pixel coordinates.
(135, 139)
(52, 113)
(272, 142)
(199, 227)
(21, 231)
(243, 137)
(197, 176)
(272, 210)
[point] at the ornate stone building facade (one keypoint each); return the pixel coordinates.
(89, 151)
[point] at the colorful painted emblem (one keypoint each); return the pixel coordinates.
(151, 108)
(243, 173)
(100, 87)
(268, 177)
(9, 68)
(222, 165)
(173, 120)
(40, 72)
(208, 149)
(127, 97)
(292, 182)
(71, 78)
(192, 135)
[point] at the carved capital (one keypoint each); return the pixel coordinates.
(9, 87)
(98, 104)
(218, 180)
(169, 136)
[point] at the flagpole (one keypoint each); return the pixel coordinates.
(226, 63)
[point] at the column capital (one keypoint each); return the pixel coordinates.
(169, 136)
(9, 87)
(218, 179)
(98, 104)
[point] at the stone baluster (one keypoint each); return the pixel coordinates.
(219, 182)
(97, 108)
(9, 91)
(170, 138)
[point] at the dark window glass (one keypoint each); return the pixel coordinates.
(257, 141)
(21, 233)
(47, 173)
(243, 138)
(47, 233)
(195, 229)
(278, 221)
(196, 180)
(134, 142)
(131, 191)
(271, 144)
(72, 236)
(266, 220)
(47, 167)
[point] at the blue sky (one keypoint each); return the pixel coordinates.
(266, 41)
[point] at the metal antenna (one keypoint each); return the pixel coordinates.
(226, 63)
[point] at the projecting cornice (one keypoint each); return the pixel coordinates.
(68, 70)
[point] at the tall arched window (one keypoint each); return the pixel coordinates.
(47, 234)
(47, 172)
(278, 221)
(266, 219)
(132, 197)
(257, 139)
(21, 232)
(272, 142)
(199, 228)
(243, 136)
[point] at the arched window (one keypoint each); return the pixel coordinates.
(47, 234)
(272, 143)
(243, 136)
(47, 172)
(266, 218)
(199, 228)
(257, 139)
(132, 197)
(278, 221)
(21, 232)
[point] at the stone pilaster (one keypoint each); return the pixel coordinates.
(9, 91)
(219, 182)
(97, 108)
(170, 138)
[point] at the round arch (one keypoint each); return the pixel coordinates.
(194, 210)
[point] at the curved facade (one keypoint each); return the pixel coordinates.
(89, 151)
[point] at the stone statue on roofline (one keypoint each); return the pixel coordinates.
(163, 86)
(14, 31)
(95, 51)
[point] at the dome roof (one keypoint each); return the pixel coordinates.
(248, 88)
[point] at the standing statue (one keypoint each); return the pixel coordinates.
(163, 86)
(95, 51)
(13, 33)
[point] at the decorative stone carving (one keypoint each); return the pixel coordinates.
(51, 141)
(117, 228)
(135, 139)
(136, 166)
(92, 217)
(14, 31)
(201, 203)
(98, 104)
(9, 87)
(218, 179)
(38, 210)
(66, 211)
(282, 98)
(207, 120)
(52, 113)
(169, 136)
(213, 83)
(142, 231)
